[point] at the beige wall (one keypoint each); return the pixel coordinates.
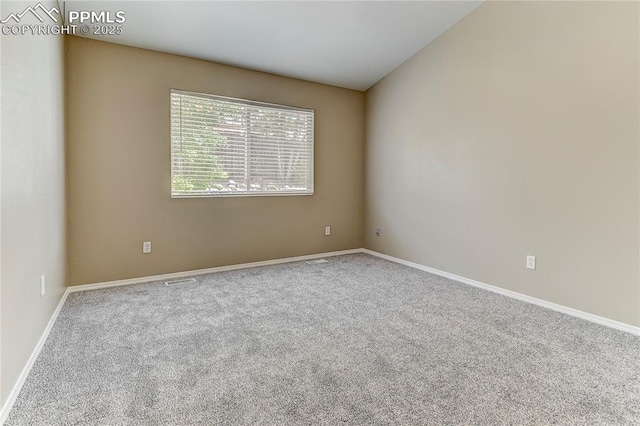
(32, 192)
(119, 176)
(515, 133)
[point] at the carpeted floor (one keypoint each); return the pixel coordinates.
(356, 340)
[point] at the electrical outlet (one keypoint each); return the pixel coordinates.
(531, 262)
(42, 286)
(378, 231)
(327, 230)
(146, 247)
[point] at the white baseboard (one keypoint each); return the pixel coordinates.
(523, 297)
(13, 395)
(4, 412)
(172, 276)
(8, 405)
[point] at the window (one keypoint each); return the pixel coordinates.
(229, 147)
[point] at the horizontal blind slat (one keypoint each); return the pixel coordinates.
(224, 145)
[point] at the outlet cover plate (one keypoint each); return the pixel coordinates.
(531, 262)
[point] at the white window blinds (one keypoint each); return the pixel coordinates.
(226, 146)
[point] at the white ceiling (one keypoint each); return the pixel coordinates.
(350, 44)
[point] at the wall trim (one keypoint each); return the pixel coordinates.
(174, 275)
(15, 391)
(11, 399)
(514, 295)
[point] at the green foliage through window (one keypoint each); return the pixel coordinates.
(224, 146)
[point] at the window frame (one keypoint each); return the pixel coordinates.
(232, 194)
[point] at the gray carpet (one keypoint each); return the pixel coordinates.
(356, 340)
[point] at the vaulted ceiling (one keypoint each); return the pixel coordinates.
(346, 44)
